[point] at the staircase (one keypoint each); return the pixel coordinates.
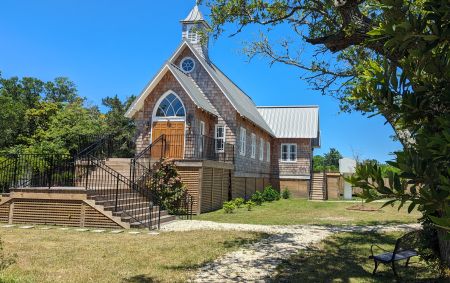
(318, 187)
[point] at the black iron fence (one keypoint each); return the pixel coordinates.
(37, 170)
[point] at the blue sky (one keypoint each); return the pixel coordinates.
(110, 47)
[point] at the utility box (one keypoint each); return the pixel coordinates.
(347, 167)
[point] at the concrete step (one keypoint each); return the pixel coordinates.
(164, 220)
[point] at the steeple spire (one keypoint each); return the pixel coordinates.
(194, 26)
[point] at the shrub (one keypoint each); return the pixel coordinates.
(229, 206)
(286, 193)
(238, 202)
(250, 204)
(269, 194)
(257, 198)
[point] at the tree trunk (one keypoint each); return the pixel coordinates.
(444, 246)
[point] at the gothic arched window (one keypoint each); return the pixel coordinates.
(170, 106)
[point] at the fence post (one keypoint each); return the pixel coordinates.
(87, 172)
(50, 175)
(150, 207)
(16, 160)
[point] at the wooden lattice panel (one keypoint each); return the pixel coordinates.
(190, 178)
(47, 212)
(4, 212)
(92, 218)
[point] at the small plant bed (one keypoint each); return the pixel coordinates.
(361, 207)
(344, 257)
(257, 199)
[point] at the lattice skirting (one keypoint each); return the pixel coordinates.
(77, 213)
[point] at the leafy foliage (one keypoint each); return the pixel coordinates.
(270, 194)
(167, 185)
(286, 194)
(328, 162)
(238, 202)
(257, 198)
(250, 205)
(229, 206)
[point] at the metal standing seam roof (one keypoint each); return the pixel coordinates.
(292, 121)
(197, 96)
(195, 15)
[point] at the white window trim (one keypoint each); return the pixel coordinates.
(288, 153)
(242, 141)
(268, 151)
(202, 133)
(253, 146)
(221, 138)
(174, 118)
(181, 64)
(261, 149)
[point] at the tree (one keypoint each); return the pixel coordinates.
(387, 57)
(328, 162)
(123, 127)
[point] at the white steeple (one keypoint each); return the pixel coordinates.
(194, 26)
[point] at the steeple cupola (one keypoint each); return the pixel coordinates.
(194, 26)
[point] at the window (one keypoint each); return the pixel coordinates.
(253, 146)
(220, 138)
(170, 106)
(187, 64)
(288, 152)
(261, 149)
(243, 140)
(201, 136)
(268, 152)
(192, 34)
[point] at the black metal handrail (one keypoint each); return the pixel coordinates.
(143, 198)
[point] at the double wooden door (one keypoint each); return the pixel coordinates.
(174, 132)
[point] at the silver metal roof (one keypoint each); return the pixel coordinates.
(197, 96)
(194, 16)
(292, 121)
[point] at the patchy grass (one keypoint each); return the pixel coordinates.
(344, 258)
(70, 256)
(301, 211)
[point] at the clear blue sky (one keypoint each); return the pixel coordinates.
(110, 47)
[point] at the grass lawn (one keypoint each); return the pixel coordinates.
(70, 256)
(301, 211)
(344, 258)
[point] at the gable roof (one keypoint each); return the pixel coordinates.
(241, 102)
(189, 86)
(292, 121)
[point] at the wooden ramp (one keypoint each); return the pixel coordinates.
(56, 206)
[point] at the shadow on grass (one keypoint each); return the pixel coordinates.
(344, 258)
(142, 278)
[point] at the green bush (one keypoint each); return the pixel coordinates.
(250, 204)
(229, 206)
(269, 194)
(238, 202)
(286, 193)
(257, 198)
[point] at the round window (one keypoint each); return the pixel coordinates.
(187, 64)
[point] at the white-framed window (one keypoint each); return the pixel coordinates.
(261, 149)
(187, 64)
(201, 136)
(243, 141)
(253, 148)
(220, 138)
(288, 152)
(268, 152)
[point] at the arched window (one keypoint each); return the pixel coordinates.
(170, 106)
